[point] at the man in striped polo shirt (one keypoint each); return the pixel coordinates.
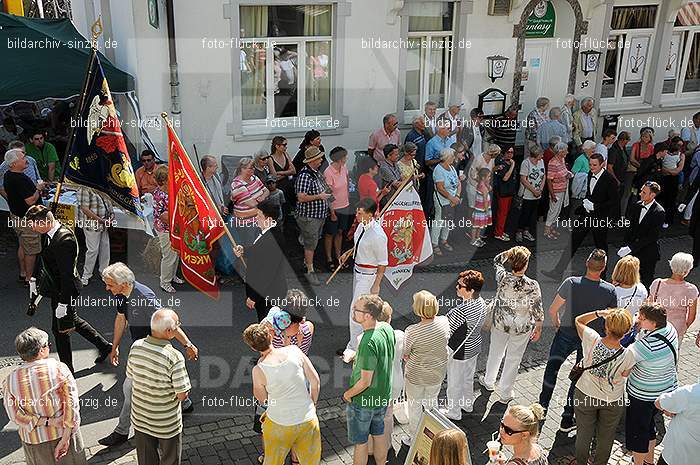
(654, 373)
(160, 383)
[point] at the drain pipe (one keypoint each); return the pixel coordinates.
(172, 53)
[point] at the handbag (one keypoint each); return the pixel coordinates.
(670, 346)
(578, 369)
(401, 408)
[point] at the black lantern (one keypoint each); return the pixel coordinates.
(590, 59)
(497, 66)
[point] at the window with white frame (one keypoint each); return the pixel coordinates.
(429, 54)
(630, 44)
(286, 61)
(682, 76)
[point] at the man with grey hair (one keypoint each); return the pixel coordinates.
(534, 120)
(552, 127)
(419, 135)
(567, 115)
(157, 394)
(452, 115)
(21, 193)
(430, 114)
(31, 170)
(136, 304)
(585, 122)
(58, 280)
(47, 413)
(387, 134)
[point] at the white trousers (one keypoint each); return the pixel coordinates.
(555, 207)
(688, 212)
(169, 259)
(361, 284)
(97, 243)
(418, 398)
(512, 346)
(460, 385)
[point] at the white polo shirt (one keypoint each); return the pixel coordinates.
(371, 245)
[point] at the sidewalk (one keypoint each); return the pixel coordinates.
(232, 440)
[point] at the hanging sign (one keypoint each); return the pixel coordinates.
(540, 24)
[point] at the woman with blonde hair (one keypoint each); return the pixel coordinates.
(449, 447)
(599, 397)
(676, 295)
(280, 380)
(630, 292)
(425, 354)
(520, 430)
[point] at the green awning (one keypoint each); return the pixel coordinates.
(47, 58)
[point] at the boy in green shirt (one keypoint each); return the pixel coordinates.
(370, 383)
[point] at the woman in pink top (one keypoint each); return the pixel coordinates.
(676, 295)
(558, 185)
(341, 216)
(247, 191)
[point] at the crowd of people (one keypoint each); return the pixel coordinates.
(626, 333)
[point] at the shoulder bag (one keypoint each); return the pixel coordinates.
(578, 369)
(670, 346)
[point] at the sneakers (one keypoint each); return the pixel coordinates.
(482, 381)
(505, 237)
(177, 280)
(114, 439)
(519, 237)
(167, 287)
(446, 412)
(478, 242)
(311, 278)
(567, 425)
(528, 237)
(665, 226)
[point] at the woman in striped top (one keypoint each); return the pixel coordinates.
(41, 397)
(247, 191)
(654, 373)
(425, 353)
(464, 344)
(299, 332)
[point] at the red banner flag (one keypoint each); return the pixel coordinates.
(195, 223)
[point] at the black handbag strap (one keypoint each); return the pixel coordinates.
(607, 360)
(631, 297)
(668, 343)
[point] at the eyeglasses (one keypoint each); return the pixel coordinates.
(285, 144)
(359, 311)
(510, 431)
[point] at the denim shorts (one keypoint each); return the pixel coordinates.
(364, 421)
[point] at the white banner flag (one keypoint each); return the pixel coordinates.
(408, 235)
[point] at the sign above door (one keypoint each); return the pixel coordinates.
(542, 20)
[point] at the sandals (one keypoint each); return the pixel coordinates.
(446, 246)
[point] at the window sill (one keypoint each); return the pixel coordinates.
(263, 131)
(669, 105)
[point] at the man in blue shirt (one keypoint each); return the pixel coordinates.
(435, 145)
(553, 127)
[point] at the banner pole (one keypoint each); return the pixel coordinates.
(206, 191)
(400, 189)
(96, 30)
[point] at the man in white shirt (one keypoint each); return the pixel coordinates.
(371, 258)
(681, 442)
(452, 115)
(430, 110)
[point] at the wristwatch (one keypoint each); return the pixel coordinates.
(596, 314)
(188, 345)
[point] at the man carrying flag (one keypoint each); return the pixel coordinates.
(370, 256)
(195, 222)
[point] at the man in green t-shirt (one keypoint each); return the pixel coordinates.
(369, 394)
(44, 153)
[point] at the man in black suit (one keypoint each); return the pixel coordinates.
(59, 280)
(265, 282)
(641, 237)
(596, 214)
(693, 230)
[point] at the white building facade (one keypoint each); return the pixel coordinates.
(252, 69)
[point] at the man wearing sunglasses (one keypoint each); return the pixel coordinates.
(369, 394)
(145, 177)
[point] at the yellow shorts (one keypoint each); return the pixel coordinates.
(304, 439)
